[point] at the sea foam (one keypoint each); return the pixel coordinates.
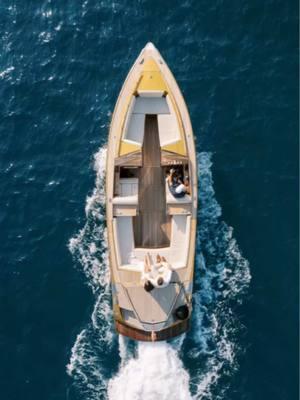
(155, 373)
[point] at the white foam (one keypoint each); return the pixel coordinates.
(155, 373)
(6, 72)
(89, 248)
(222, 274)
(85, 368)
(123, 350)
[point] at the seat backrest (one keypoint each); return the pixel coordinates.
(128, 186)
(151, 105)
(168, 126)
(180, 239)
(124, 239)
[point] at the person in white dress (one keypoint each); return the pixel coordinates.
(157, 275)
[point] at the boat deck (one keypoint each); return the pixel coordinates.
(152, 225)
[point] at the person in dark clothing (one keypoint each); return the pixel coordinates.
(176, 186)
(148, 286)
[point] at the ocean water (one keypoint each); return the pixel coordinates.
(62, 65)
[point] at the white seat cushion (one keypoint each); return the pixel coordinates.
(150, 93)
(135, 128)
(124, 239)
(151, 105)
(178, 200)
(180, 233)
(168, 129)
(140, 253)
(126, 200)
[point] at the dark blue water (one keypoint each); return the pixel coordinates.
(61, 68)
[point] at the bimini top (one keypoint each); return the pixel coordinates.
(150, 146)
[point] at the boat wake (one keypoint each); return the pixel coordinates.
(151, 374)
(89, 249)
(194, 366)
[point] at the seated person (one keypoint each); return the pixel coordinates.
(158, 266)
(158, 275)
(165, 272)
(176, 186)
(162, 264)
(165, 263)
(146, 275)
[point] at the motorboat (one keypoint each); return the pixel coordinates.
(151, 229)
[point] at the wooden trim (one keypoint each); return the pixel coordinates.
(132, 159)
(169, 158)
(122, 210)
(179, 209)
(146, 336)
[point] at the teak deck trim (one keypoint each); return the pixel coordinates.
(146, 336)
(152, 222)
